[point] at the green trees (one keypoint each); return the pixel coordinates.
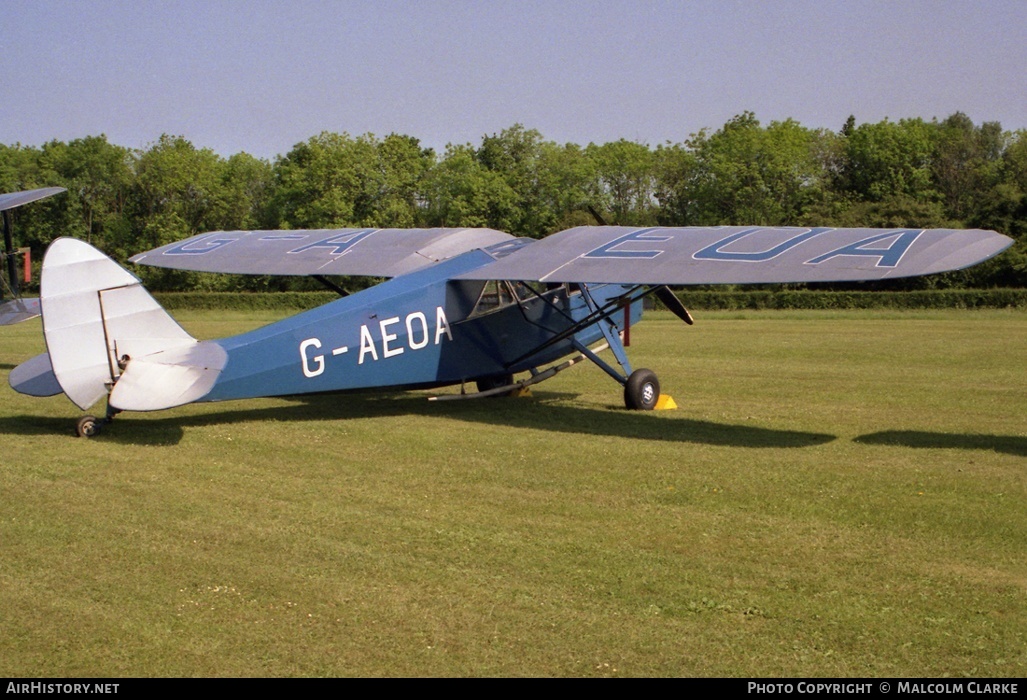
(909, 173)
(335, 180)
(745, 173)
(461, 191)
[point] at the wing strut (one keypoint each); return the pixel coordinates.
(612, 334)
(597, 314)
(328, 284)
(8, 254)
(641, 387)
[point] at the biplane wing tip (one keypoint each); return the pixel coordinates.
(18, 310)
(17, 199)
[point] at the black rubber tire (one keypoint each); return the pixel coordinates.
(494, 382)
(642, 390)
(88, 426)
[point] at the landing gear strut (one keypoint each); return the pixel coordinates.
(91, 426)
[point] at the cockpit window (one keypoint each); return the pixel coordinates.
(498, 294)
(494, 295)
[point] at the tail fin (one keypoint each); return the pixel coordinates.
(106, 334)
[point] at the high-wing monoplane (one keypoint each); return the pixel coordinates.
(16, 309)
(461, 306)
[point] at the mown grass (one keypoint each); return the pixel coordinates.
(839, 493)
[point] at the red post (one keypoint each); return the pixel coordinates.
(627, 325)
(28, 264)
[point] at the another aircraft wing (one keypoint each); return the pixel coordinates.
(16, 199)
(18, 310)
(350, 251)
(740, 255)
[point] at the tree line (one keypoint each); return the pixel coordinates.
(910, 173)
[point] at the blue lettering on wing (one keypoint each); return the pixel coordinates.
(717, 252)
(202, 246)
(607, 250)
(504, 248)
(887, 257)
(339, 243)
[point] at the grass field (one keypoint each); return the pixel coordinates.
(839, 494)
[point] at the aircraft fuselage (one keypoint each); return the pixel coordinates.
(421, 329)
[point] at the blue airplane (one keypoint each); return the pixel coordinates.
(461, 306)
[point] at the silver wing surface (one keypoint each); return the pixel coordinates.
(350, 251)
(18, 310)
(740, 255)
(16, 199)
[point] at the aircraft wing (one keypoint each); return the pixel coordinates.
(18, 310)
(16, 199)
(740, 255)
(349, 251)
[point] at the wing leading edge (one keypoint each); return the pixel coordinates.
(350, 251)
(741, 255)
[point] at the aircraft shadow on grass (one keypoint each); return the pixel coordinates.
(1008, 444)
(537, 413)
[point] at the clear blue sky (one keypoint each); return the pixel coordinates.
(260, 76)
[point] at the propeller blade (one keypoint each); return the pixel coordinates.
(596, 215)
(671, 301)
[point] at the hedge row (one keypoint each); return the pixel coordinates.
(244, 301)
(702, 300)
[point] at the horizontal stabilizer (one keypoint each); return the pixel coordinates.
(35, 377)
(741, 255)
(349, 251)
(18, 310)
(168, 378)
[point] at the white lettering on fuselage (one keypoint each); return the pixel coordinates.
(441, 325)
(419, 317)
(366, 345)
(318, 366)
(418, 337)
(389, 337)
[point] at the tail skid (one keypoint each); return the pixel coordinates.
(106, 336)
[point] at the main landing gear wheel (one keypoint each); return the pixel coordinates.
(494, 382)
(642, 390)
(88, 426)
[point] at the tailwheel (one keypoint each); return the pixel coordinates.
(88, 426)
(642, 390)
